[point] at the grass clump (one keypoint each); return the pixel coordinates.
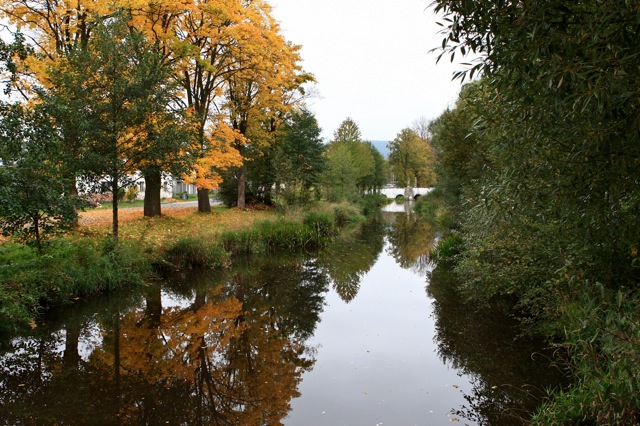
(323, 223)
(270, 235)
(447, 248)
(302, 231)
(345, 214)
(192, 252)
(66, 271)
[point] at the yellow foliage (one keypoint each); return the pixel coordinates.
(219, 154)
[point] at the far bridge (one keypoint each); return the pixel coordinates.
(410, 193)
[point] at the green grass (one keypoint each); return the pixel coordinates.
(87, 263)
(69, 269)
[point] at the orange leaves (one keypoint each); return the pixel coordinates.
(219, 153)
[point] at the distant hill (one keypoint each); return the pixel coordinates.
(381, 146)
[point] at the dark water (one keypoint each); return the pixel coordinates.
(353, 335)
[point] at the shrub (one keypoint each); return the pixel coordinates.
(427, 207)
(371, 203)
(131, 194)
(67, 270)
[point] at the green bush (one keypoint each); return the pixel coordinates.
(371, 203)
(447, 248)
(602, 338)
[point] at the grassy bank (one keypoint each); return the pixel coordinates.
(85, 263)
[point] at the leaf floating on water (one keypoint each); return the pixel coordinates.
(494, 387)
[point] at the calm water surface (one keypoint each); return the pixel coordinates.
(362, 333)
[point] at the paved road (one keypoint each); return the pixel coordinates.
(177, 204)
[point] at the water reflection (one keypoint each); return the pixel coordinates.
(232, 348)
(411, 239)
(509, 372)
(229, 353)
(351, 256)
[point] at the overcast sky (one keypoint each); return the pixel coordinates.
(372, 62)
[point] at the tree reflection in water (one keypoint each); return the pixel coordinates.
(510, 372)
(410, 240)
(231, 348)
(350, 257)
(228, 351)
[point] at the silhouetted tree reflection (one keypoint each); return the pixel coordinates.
(351, 256)
(509, 371)
(410, 240)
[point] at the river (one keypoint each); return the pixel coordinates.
(364, 332)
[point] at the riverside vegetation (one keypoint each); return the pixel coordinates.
(538, 172)
(86, 262)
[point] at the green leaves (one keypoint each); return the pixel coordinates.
(34, 203)
(554, 209)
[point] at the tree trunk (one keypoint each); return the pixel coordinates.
(204, 205)
(114, 210)
(73, 192)
(153, 186)
(71, 354)
(242, 184)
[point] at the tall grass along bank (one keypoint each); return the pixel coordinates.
(86, 263)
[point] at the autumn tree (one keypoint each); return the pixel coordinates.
(208, 39)
(259, 96)
(411, 159)
(119, 88)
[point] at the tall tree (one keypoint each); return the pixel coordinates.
(299, 159)
(209, 39)
(33, 205)
(119, 86)
(351, 162)
(259, 96)
(411, 159)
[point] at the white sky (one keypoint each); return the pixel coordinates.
(372, 62)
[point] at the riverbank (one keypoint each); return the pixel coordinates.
(86, 262)
(592, 328)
